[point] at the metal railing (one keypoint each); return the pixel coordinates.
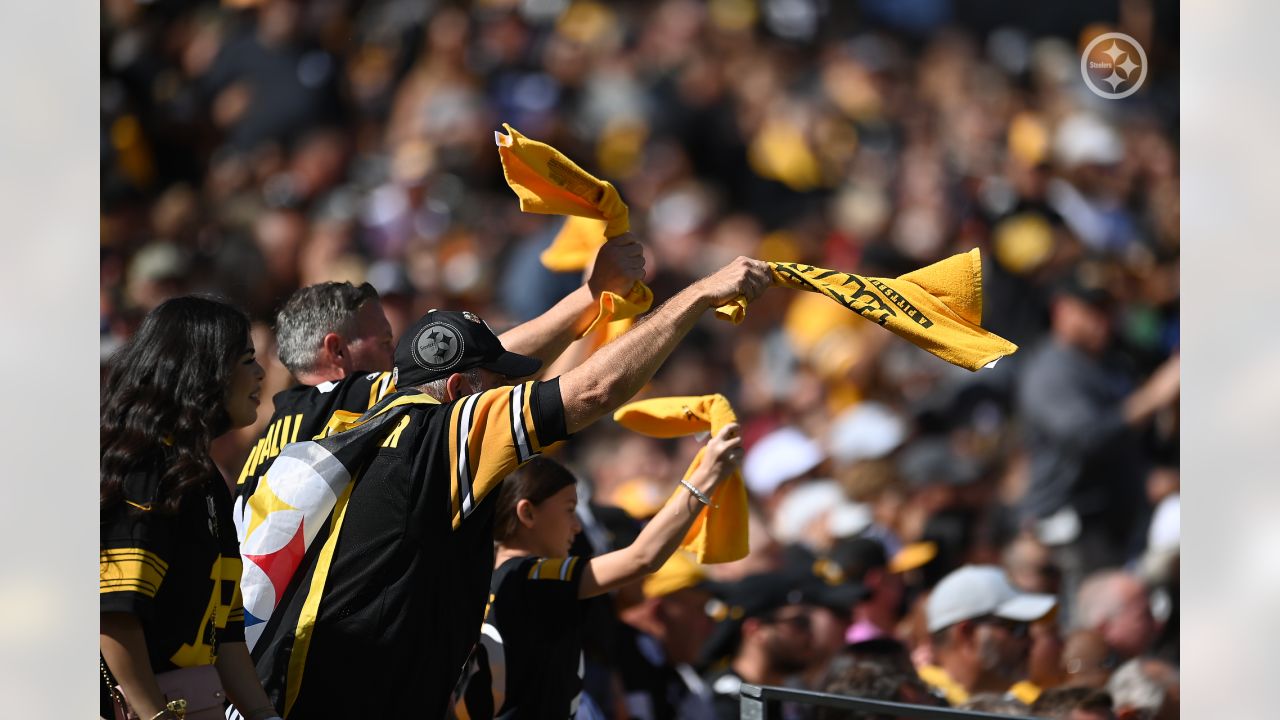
(765, 703)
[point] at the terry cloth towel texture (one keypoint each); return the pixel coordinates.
(718, 534)
(549, 183)
(938, 307)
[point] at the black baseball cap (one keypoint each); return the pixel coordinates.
(444, 342)
(763, 594)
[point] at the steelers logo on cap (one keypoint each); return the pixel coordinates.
(438, 346)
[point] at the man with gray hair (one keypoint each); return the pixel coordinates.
(335, 340)
(1114, 604)
(1145, 689)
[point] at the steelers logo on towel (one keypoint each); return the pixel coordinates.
(438, 346)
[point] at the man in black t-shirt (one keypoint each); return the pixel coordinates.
(389, 589)
(329, 336)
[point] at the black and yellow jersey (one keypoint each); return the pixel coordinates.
(528, 663)
(370, 607)
(304, 412)
(172, 571)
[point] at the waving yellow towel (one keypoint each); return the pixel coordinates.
(549, 183)
(718, 534)
(938, 308)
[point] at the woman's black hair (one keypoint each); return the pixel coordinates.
(536, 481)
(164, 397)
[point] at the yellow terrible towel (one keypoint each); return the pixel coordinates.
(938, 308)
(549, 183)
(718, 534)
(576, 245)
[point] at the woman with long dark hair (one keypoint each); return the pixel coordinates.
(169, 578)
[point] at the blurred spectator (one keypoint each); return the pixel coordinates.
(1114, 604)
(1145, 689)
(863, 560)
(766, 632)
(1030, 566)
(979, 625)
(661, 636)
(872, 680)
(1087, 661)
(1087, 463)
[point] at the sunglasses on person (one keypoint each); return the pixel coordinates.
(801, 623)
(1013, 627)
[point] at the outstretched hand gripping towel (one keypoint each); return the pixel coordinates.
(549, 183)
(719, 533)
(938, 307)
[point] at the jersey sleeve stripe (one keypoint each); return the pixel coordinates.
(518, 431)
(116, 554)
(464, 454)
(531, 427)
(124, 585)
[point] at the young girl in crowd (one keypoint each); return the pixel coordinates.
(530, 660)
(169, 565)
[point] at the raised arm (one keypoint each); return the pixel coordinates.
(618, 265)
(618, 370)
(662, 535)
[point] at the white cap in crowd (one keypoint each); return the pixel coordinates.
(975, 591)
(782, 455)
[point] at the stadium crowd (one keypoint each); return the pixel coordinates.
(1005, 540)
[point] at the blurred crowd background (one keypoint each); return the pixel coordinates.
(251, 147)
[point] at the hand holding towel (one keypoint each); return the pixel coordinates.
(719, 534)
(938, 307)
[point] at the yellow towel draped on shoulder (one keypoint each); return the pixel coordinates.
(938, 307)
(549, 183)
(718, 534)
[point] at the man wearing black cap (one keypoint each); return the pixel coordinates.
(766, 629)
(378, 617)
(335, 340)
(1080, 416)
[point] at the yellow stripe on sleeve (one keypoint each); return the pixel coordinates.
(130, 570)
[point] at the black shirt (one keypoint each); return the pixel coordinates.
(175, 572)
(304, 412)
(387, 600)
(529, 661)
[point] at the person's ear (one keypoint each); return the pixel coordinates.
(524, 509)
(334, 345)
(456, 387)
(751, 626)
